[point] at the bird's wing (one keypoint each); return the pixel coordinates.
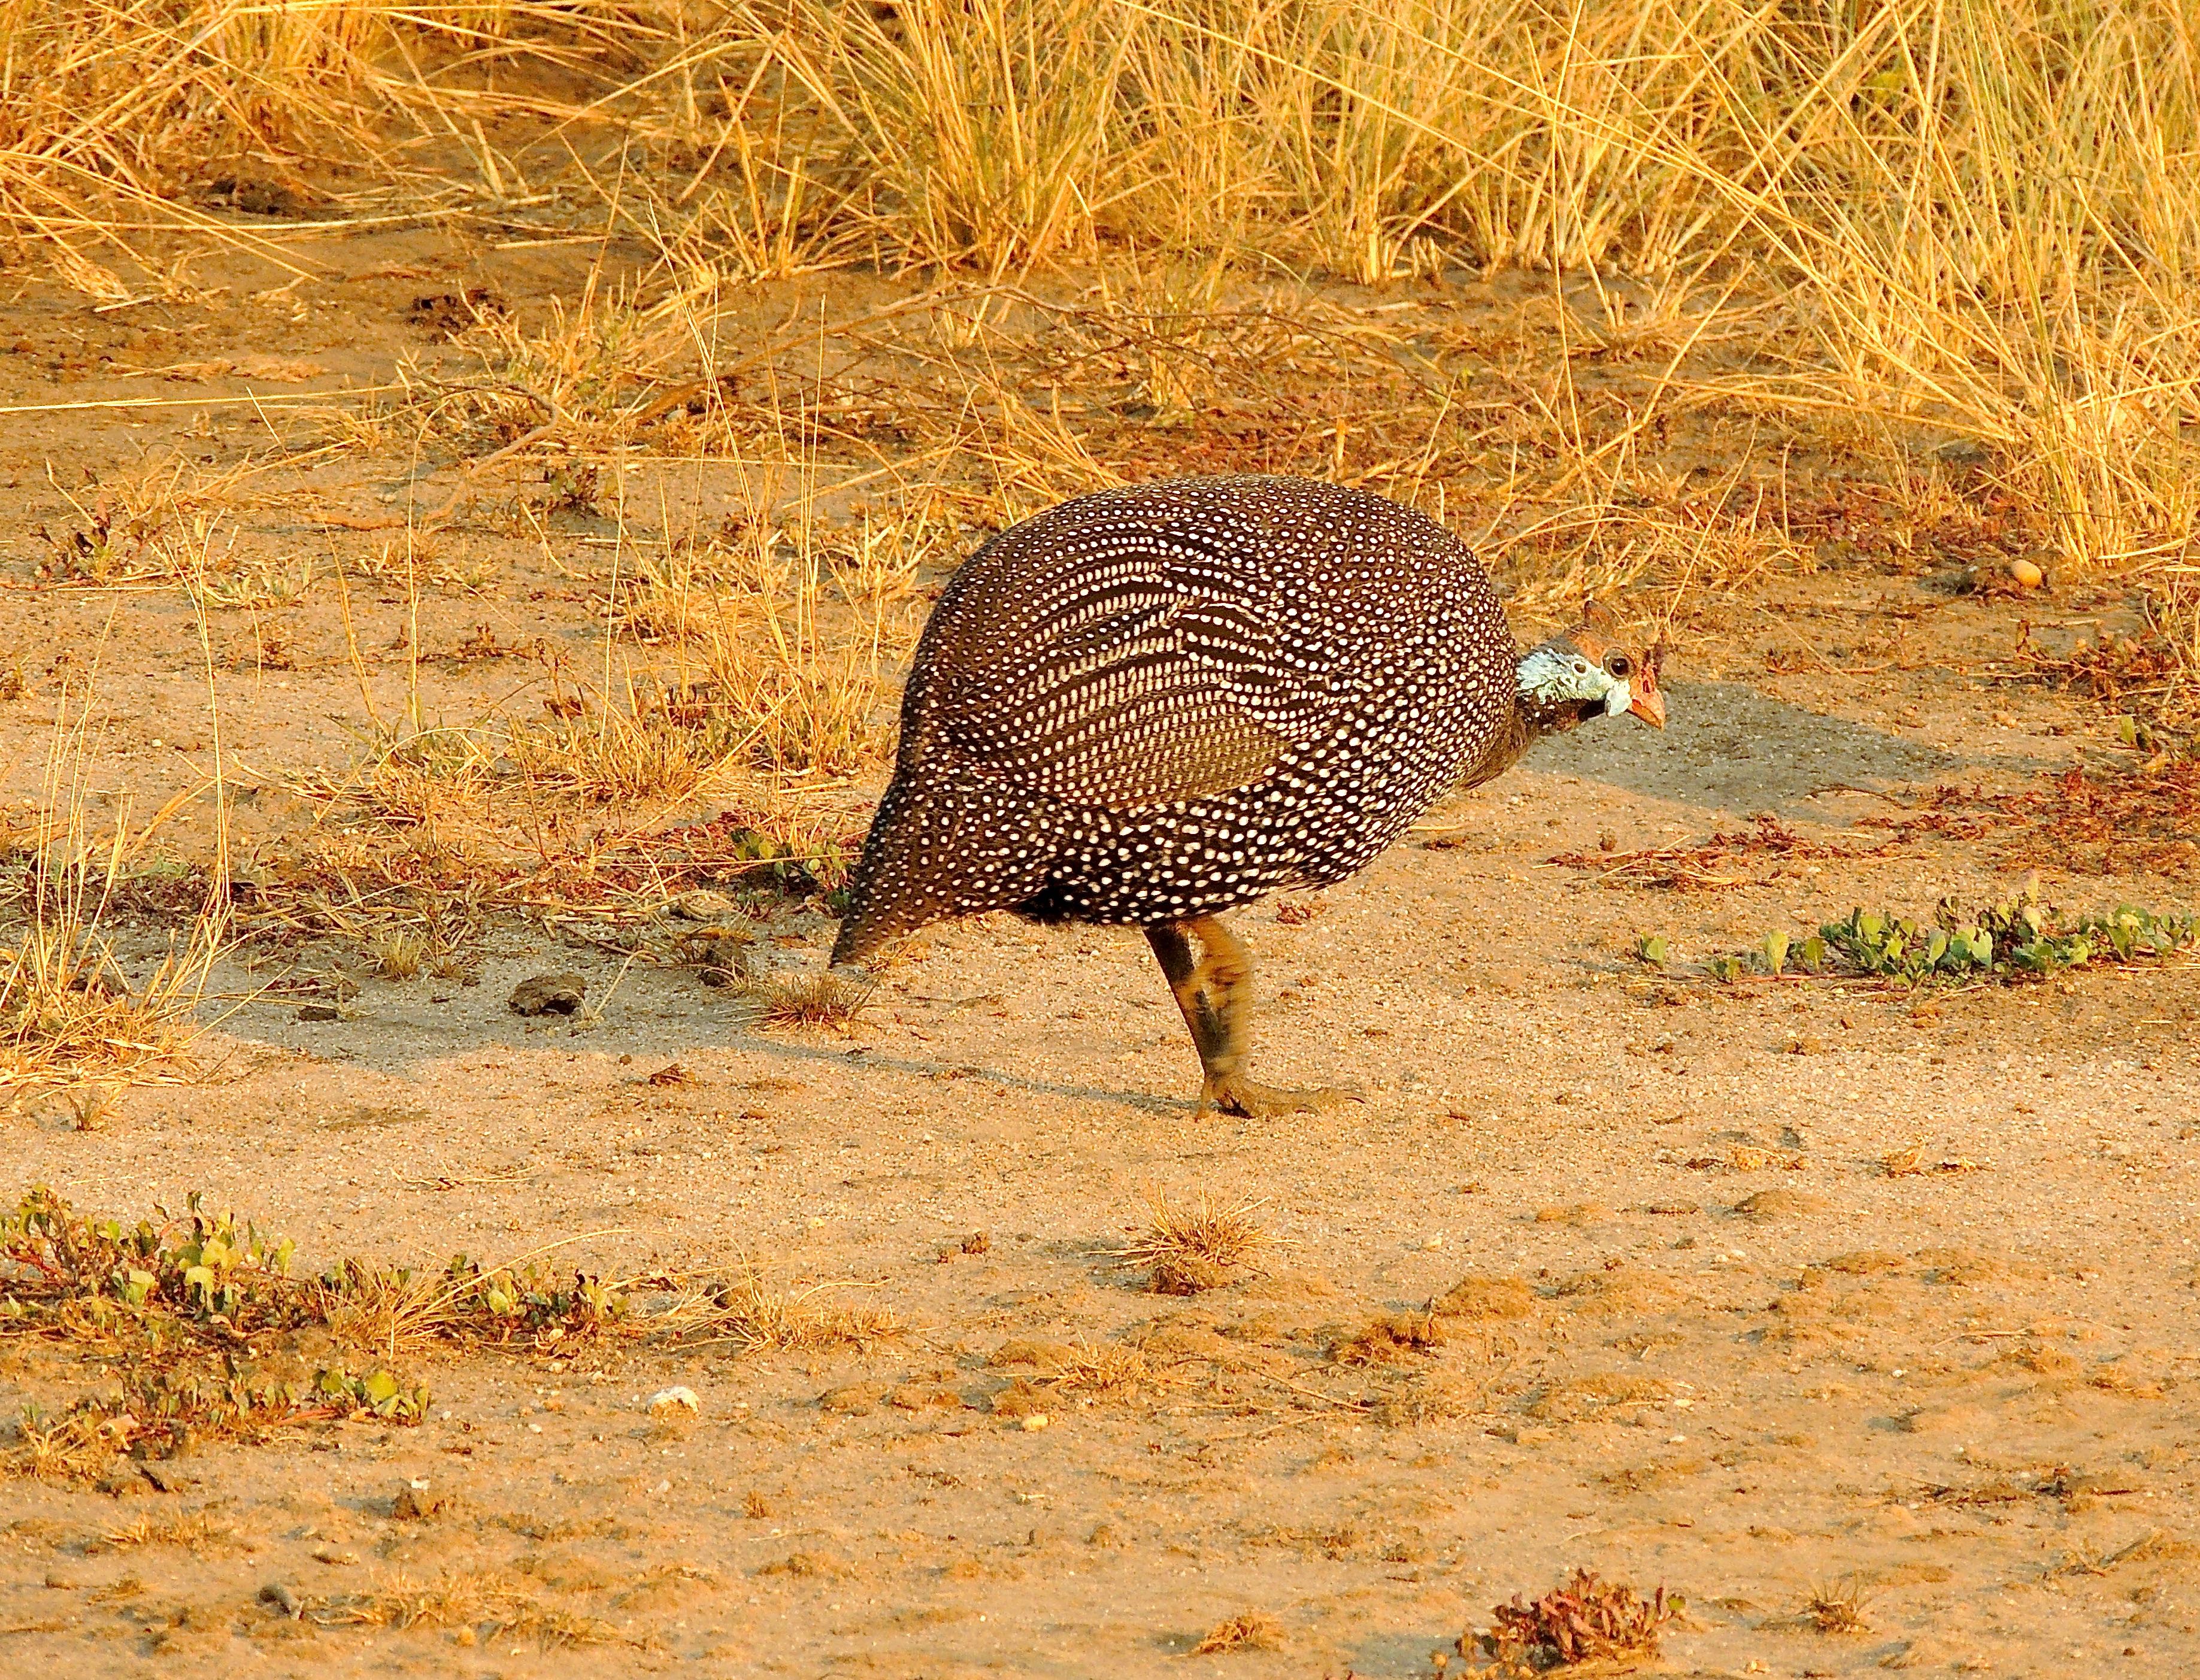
(1144, 687)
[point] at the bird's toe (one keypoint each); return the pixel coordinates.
(1243, 1097)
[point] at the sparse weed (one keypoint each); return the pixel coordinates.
(2145, 820)
(520, 1304)
(166, 1412)
(194, 1271)
(181, 1295)
(107, 544)
(2151, 678)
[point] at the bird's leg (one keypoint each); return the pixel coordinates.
(1215, 993)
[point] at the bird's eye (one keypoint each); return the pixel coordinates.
(1619, 664)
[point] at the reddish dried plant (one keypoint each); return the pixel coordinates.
(1581, 1620)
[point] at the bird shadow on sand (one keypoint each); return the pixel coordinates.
(865, 1058)
(1727, 747)
(649, 1018)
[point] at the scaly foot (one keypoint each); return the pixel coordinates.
(1233, 1095)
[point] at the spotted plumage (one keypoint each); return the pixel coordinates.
(1152, 705)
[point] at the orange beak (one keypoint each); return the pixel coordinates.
(1649, 702)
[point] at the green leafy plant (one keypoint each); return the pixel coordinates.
(206, 1268)
(529, 1299)
(379, 1394)
(2018, 939)
(1872, 942)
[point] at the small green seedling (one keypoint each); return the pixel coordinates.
(2135, 732)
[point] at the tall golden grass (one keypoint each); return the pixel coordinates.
(1984, 213)
(116, 115)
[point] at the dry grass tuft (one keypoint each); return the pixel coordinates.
(751, 668)
(755, 1316)
(828, 998)
(1200, 1247)
(1390, 1339)
(399, 954)
(1249, 1630)
(120, 124)
(69, 1017)
(775, 639)
(199, 1531)
(1114, 1369)
(1838, 1608)
(481, 1600)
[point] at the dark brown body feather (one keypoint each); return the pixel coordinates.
(1162, 702)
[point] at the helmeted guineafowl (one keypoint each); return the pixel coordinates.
(1155, 704)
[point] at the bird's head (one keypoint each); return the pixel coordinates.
(1587, 671)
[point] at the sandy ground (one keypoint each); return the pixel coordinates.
(1740, 1356)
